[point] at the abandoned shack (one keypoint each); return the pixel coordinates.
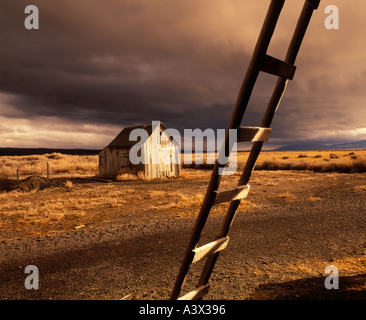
(154, 155)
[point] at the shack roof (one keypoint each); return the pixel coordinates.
(123, 138)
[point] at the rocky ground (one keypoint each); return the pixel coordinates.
(279, 249)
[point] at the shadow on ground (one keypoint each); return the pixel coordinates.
(350, 288)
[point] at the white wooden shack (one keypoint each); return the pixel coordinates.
(156, 156)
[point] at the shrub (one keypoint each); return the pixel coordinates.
(68, 184)
(344, 166)
(32, 158)
(359, 166)
(286, 195)
(55, 156)
(126, 177)
(300, 166)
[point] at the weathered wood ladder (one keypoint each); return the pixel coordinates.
(258, 135)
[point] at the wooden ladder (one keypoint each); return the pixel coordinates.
(285, 71)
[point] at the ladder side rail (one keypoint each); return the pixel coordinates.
(277, 95)
(236, 118)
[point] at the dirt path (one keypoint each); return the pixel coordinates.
(278, 251)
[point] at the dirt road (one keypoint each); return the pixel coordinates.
(277, 251)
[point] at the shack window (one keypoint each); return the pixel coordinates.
(124, 160)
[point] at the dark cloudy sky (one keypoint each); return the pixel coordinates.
(96, 66)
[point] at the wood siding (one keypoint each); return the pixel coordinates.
(114, 161)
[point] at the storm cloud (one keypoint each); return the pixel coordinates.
(94, 67)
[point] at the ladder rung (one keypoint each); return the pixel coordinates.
(197, 293)
(212, 247)
(229, 195)
(254, 134)
(278, 67)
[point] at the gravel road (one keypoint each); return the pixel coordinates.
(267, 248)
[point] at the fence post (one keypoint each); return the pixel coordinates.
(48, 170)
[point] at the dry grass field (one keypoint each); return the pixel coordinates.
(74, 199)
(36, 204)
(349, 161)
(62, 165)
(59, 165)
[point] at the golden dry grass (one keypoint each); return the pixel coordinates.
(71, 202)
(317, 161)
(314, 199)
(361, 188)
(344, 161)
(132, 177)
(127, 177)
(66, 165)
(59, 165)
(68, 184)
(286, 195)
(22, 207)
(175, 199)
(165, 200)
(68, 205)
